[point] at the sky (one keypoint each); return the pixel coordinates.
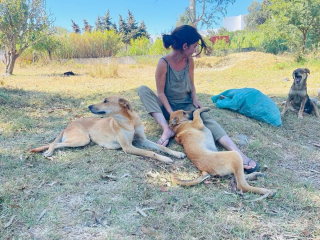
(159, 16)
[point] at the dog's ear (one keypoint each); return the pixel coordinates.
(173, 121)
(306, 70)
(124, 103)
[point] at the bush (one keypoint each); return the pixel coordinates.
(139, 46)
(157, 48)
(88, 45)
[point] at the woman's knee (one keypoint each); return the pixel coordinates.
(142, 90)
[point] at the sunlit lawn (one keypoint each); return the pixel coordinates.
(69, 196)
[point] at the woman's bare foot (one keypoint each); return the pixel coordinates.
(165, 137)
(248, 163)
(250, 166)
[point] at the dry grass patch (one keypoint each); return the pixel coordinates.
(109, 70)
(70, 195)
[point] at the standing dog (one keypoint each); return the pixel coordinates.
(298, 99)
(122, 127)
(200, 148)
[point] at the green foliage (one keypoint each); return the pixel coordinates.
(22, 24)
(142, 46)
(139, 46)
(88, 45)
(48, 44)
(258, 40)
(130, 30)
(157, 48)
(258, 14)
(294, 21)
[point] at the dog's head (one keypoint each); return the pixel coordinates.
(178, 117)
(300, 75)
(111, 105)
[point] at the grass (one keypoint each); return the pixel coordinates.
(79, 201)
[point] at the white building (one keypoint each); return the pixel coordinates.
(234, 23)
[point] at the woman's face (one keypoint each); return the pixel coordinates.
(189, 50)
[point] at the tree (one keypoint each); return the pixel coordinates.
(99, 24)
(114, 27)
(123, 30)
(208, 12)
(294, 20)
(48, 44)
(132, 26)
(142, 30)
(222, 31)
(23, 23)
(87, 27)
(75, 27)
(183, 19)
(106, 21)
(130, 29)
(258, 14)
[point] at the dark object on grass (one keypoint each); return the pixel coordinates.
(70, 73)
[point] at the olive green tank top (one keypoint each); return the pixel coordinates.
(178, 87)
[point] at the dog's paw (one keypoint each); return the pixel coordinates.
(205, 109)
(179, 154)
(272, 193)
(47, 154)
(166, 159)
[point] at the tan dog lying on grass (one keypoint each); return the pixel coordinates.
(298, 99)
(198, 143)
(120, 129)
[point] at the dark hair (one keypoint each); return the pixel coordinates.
(181, 35)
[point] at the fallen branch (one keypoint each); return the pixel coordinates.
(139, 210)
(260, 198)
(41, 215)
(314, 171)
(8, 224)
(316, 144)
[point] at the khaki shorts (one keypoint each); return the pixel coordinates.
(153, 104)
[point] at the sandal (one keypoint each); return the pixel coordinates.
(256, 168)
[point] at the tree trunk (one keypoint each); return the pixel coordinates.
(193, 19)
(50, 55)
(10, 62)
(304, 40)
(192, 8)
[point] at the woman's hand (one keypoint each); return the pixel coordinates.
(197, 104)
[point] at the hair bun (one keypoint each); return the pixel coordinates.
(167, 40)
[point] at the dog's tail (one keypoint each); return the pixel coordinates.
(39, 149)
(192, 182)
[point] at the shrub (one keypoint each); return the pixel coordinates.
(139, 46)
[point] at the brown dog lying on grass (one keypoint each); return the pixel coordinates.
(198, 143)
(120, 129)
(298, 99)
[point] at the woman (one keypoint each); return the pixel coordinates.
(175, 88)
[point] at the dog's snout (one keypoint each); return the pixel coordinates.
(92, 109)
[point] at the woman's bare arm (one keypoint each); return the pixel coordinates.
(195, 101)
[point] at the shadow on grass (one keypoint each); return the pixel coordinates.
(76, 179)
